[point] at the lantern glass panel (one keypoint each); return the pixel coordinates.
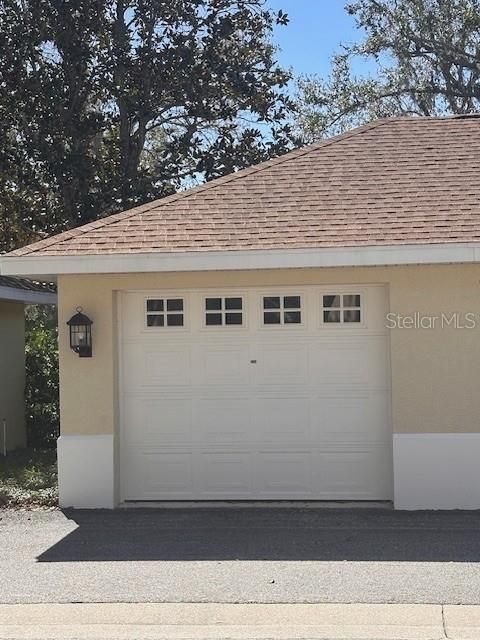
(80, 336)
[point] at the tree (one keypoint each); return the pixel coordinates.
(425, 58)
(105, 104)
(41, 366)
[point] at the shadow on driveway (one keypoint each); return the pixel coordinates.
(269, 534)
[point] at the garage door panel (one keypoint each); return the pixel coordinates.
(350, 419)
(166, 366)
(339, 363)
(353, 475)
(222, 420)
(278, 363)
(255, 412)
(153, 475)
(132, 315)
(224, 472)
(220, 364)
(283, 474)
(376, 362)
(350, 361)
(282, 419)
(158, 421)
(156, 365)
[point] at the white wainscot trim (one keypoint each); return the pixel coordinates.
(436, 471)
(86, 471)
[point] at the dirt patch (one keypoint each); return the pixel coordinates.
(28, 479)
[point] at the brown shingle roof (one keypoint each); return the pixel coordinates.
(395, 181)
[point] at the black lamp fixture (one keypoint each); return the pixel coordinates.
(81, 334)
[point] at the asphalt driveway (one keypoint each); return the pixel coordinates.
(240, 555)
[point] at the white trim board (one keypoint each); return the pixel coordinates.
(436, 470)
(86, 471)
(238, 260)
(12, 294)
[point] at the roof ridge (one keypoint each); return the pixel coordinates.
(166, 201)
(266, 164)
(463, 116)
(423, 119)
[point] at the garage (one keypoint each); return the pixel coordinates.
(237, 345)
(278, 393)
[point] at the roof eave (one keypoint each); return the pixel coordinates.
(48, 267)
(22, 296)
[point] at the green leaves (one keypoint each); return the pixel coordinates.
(282, 18)
(28, 479)
(105, 105)
(422, 57)
(41, 389)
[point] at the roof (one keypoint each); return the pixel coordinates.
(25, 285)
(26, 291)
(408, 180)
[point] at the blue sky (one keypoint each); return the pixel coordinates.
(315, 32)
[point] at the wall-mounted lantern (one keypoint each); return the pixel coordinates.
(81, 334)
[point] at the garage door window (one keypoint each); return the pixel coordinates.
(342, 308)
(165, 312)
(221, 311)
(282, 310)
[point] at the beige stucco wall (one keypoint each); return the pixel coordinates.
(12, 373)
(435, 373)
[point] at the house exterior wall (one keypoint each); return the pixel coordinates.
(12, 374)
(434, 370)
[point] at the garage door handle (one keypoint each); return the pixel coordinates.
(253, 362)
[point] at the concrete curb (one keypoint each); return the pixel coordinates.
(236, 621)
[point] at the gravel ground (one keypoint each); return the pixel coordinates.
(240, 555)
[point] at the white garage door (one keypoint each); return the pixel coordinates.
(278, 393)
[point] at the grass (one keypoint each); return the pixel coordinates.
(28, 479)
